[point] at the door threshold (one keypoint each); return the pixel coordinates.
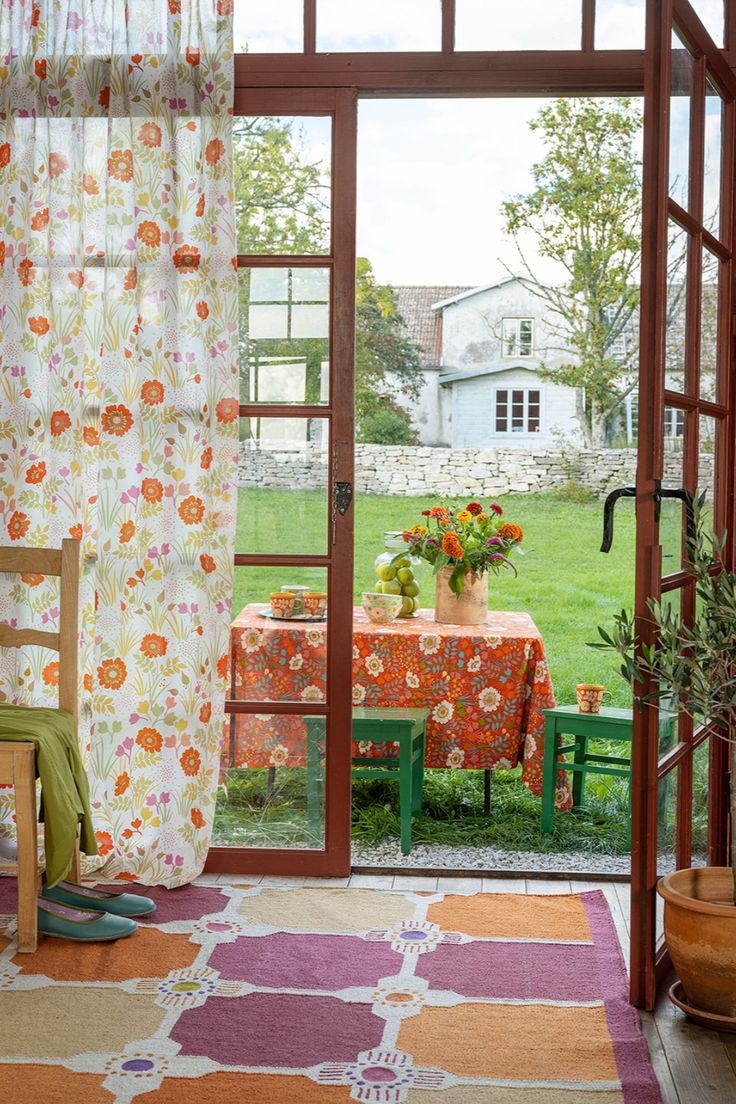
(463, 872)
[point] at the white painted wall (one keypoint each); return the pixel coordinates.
(474, 407)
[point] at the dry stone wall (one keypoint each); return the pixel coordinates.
(450, 473)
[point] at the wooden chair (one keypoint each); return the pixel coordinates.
(17, 759)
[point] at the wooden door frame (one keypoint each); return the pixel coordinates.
(334, 859)
(649, 959)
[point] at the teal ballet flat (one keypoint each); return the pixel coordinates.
(99, 900)
(81, 925)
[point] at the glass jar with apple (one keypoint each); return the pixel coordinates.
(396, 573)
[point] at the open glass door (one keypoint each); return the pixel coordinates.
(284, 795)
(685, 381)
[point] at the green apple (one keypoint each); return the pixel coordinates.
(410, 590)
(393, 586)
(407, 607)
(403, 561)
(405, 575)
(386, 572)
(383, 558)
(378, 588)
(415, 607)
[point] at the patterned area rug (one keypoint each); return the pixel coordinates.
(326, 996)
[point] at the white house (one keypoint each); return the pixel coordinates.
(482, 349)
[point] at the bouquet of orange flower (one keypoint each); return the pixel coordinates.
(470, 539)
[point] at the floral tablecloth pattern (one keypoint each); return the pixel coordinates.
(485, 686)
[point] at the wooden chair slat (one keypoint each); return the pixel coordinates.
(17, 759)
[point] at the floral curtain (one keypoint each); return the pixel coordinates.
(118, 401)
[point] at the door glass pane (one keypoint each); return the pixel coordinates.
(272, 782)
(709, 320)
(619, 24)
(701, 763)
(670, 528)
(380, 25)
(711, 16)
(706, 461)
(526, 25)
(282, 497)
(284, 335)
(668, 715)
(677, 253)
(667, 823)
(278, 638)
(712, 164)
(268, 28)
(683, 67)
(282, 167)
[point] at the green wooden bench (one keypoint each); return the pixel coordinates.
(614, 725)
(405, 727)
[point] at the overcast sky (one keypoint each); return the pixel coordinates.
(433, 173)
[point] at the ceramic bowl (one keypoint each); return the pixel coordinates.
(381, 609)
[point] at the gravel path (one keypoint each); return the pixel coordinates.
(436, 856)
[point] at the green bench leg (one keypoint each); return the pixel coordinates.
(549, 775)
(314, 782)
(417, 793)
(578, 782)
(405, 790)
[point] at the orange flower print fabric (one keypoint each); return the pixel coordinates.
(118, 331)
(485, 687)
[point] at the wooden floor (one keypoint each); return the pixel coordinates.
(694, 1066)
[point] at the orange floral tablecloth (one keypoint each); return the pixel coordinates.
(485, 687)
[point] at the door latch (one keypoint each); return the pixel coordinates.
(342, 497)
(608, 508)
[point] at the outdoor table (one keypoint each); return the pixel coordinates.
(485, 686)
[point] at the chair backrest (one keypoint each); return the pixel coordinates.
(63, 562)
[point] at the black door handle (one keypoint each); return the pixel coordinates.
(608, 508)
(687, 500)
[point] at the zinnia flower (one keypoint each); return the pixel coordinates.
(511, 532)
(474, 508)
(465, 516)
(438, 512)
(496, 508)
(492, 541)
(451, 546)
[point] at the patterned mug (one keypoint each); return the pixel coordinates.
(282, 603)
(591, 696)
(315, 603)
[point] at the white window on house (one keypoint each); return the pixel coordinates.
(618, 347)
(518, 337)
(518, 411)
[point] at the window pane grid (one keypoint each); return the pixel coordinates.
(524, 415)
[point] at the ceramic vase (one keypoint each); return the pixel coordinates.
(470, 608)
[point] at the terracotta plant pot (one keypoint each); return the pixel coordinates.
(700, 929)
(471, 608)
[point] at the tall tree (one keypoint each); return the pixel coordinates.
(282, 199)
(584, 213)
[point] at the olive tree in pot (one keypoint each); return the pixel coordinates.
(695, 665)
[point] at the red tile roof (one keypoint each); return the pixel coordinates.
(420, 322)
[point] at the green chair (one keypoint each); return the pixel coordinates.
(405, 727)
(610, 724)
